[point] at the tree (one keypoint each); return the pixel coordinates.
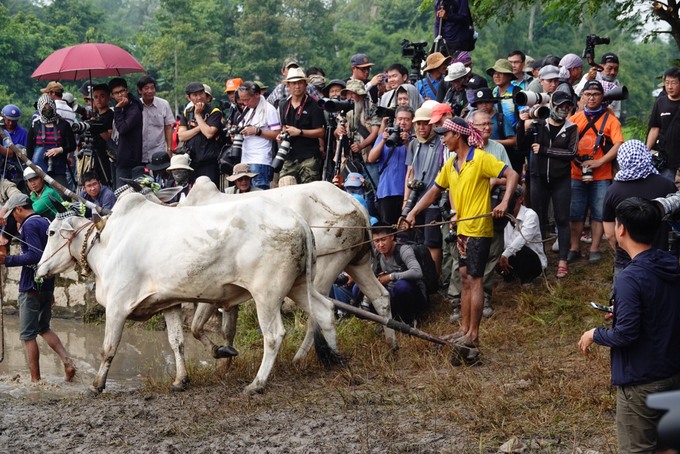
(634, 14)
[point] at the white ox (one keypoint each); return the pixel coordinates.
(340, 225)
(150, 258)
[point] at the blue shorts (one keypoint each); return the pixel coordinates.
(587, 195)
(35, 313)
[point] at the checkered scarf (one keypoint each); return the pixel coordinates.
(635, 161)
(474, 135)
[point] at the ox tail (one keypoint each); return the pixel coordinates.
(325, 354)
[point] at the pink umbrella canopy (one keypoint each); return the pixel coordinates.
(85, 61)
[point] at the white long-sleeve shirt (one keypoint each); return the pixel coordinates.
(530, 236)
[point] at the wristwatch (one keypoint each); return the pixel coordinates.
(302, 133)
(258, 132)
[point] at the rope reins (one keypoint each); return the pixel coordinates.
(517, 223)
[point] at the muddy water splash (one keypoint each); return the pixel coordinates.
(141, 354)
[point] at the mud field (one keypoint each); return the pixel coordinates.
(544, 396)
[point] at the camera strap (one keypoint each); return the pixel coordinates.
(591, 125)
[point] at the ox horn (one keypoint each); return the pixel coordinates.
(133, 184)
(57, 204)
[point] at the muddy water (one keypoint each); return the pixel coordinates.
(141, 354)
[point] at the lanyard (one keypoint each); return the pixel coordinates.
(298, 111)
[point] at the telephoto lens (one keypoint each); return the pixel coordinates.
(237, 144)
(282, 154)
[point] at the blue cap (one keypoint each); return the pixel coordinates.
(354, 180)
(11, 112)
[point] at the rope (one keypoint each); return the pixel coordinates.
(515, 221)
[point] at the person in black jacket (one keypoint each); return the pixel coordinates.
(553, 143)
(127, 120)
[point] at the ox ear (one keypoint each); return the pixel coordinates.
(133, 184)
(166, 194)
(57, 204)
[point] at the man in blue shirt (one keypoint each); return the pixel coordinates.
(35, 298)
(435, 69)
(645, 336)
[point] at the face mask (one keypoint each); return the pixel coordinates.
(607, 78)
(181, 177)
(561, 113)
(48, 112)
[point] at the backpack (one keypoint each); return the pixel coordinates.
(426, 263)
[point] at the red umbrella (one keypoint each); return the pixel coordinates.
(85, 61)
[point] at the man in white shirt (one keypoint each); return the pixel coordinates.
(157, 120)
(259, 125)
(523, 255)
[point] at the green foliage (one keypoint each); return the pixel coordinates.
(180, 41)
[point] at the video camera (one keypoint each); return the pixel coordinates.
(416, 52)
(333, 105)
(593, 40)
(94, 127)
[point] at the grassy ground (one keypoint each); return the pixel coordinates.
(533, 383)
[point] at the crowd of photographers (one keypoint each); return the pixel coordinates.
(432, 143)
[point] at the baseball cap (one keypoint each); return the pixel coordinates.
(354, 180)
(423, 114)
(16, 200)
(29, 173)
(549, 72)
(11, 111)
(439, 111)
(593, 85)
(560, 97)
(609, 57)
(360, 61)
(233, 84)
(194, 87)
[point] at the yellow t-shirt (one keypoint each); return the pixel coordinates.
(471, 190)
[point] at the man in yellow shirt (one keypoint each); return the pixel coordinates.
(466, 174)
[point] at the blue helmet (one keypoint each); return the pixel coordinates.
(11, 112)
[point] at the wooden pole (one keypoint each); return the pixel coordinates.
(66, 192)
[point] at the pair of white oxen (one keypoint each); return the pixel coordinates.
(222, 250)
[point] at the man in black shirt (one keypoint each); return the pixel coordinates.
(664, 124)
(302, 119)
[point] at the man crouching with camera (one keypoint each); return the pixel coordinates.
(424, 159)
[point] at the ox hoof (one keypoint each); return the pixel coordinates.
(225, 351)
(93, 391)
(251, 390)
(178, 388)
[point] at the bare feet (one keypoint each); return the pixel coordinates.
(453, 337)
(467, 341)
(69, 370)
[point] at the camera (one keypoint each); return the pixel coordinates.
(416, 187)
(236, 144)
(416, 52)
(529, 98)
(586, 171)
(382, 112)
(395, 136)
(413, 50)
(670, 206)
(83, 127)
(333, 105)
(539, 112)
(282, 154)
(593, 40)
